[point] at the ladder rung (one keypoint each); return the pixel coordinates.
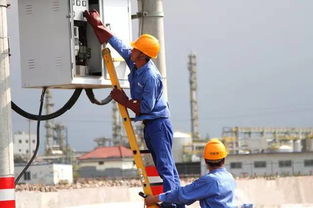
(145, 151)
(153, 184)
(141, 151)
(156, 184)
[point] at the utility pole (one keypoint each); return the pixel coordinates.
(7, 191)
(151, 21)
(192, 67)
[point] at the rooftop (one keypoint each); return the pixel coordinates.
(107, 152)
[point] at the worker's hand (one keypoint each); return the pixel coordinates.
(119, 96)
(134, 105)
(102, 33)
(93, 18)
(150, 200)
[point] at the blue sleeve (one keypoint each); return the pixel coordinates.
(121, 48)
(199, 189)
(150, 95)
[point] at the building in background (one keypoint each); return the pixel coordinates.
(116, 161)
(24, 145)
(44, 173)
(270, 164)
(181, 143)
(186, 149)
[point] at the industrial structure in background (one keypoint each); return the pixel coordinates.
(245, 140)
(238, 140)
(194, 112)
(56, 142)
(191, 150)
(118, 135)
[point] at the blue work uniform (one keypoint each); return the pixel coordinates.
(147, 87)
(213, 190)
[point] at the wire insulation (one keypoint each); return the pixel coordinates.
(59, 112)
(93, 100)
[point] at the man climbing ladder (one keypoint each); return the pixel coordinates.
(148, 101)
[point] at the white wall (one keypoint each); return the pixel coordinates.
(24, 144)
(62, 173)
(46, 173)
(125, 163)
(276, 193)
(179, 141)
(272, 164)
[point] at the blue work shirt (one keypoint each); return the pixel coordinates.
(145, 85)
(213, 190)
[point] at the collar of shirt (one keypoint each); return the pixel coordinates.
(217, 170)
(142, 69)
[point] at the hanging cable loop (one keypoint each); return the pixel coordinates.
(4, 4)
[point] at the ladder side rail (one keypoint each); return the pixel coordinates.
(107, 58)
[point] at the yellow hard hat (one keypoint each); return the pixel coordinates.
(214, 150)
(148, 45)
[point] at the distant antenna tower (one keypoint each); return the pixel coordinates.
(60, 139)
(56, 134)
(117, 126)
(192, 67)
(49, 124)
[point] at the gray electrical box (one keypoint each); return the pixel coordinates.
(59, 48)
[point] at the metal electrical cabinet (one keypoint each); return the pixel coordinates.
(59, 48)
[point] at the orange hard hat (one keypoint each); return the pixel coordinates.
(214, 150)
(148, 45)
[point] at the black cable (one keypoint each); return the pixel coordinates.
(38, 138)
(59, 112)
(93, 100)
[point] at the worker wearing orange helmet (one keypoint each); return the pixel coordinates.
(215, 189)
(147, 97)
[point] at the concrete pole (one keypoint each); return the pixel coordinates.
(7, 192)
(151, 21)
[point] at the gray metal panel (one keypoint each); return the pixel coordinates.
(116, 14)
(45, 42)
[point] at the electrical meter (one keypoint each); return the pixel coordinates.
(59, 48)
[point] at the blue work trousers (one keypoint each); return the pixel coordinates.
(158, 135)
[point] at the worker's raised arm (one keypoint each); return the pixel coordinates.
(122, 49)
(104, 35)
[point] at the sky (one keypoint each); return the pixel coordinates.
(254, 69)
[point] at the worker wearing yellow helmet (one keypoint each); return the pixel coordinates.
(147, 97)
(215, 189)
